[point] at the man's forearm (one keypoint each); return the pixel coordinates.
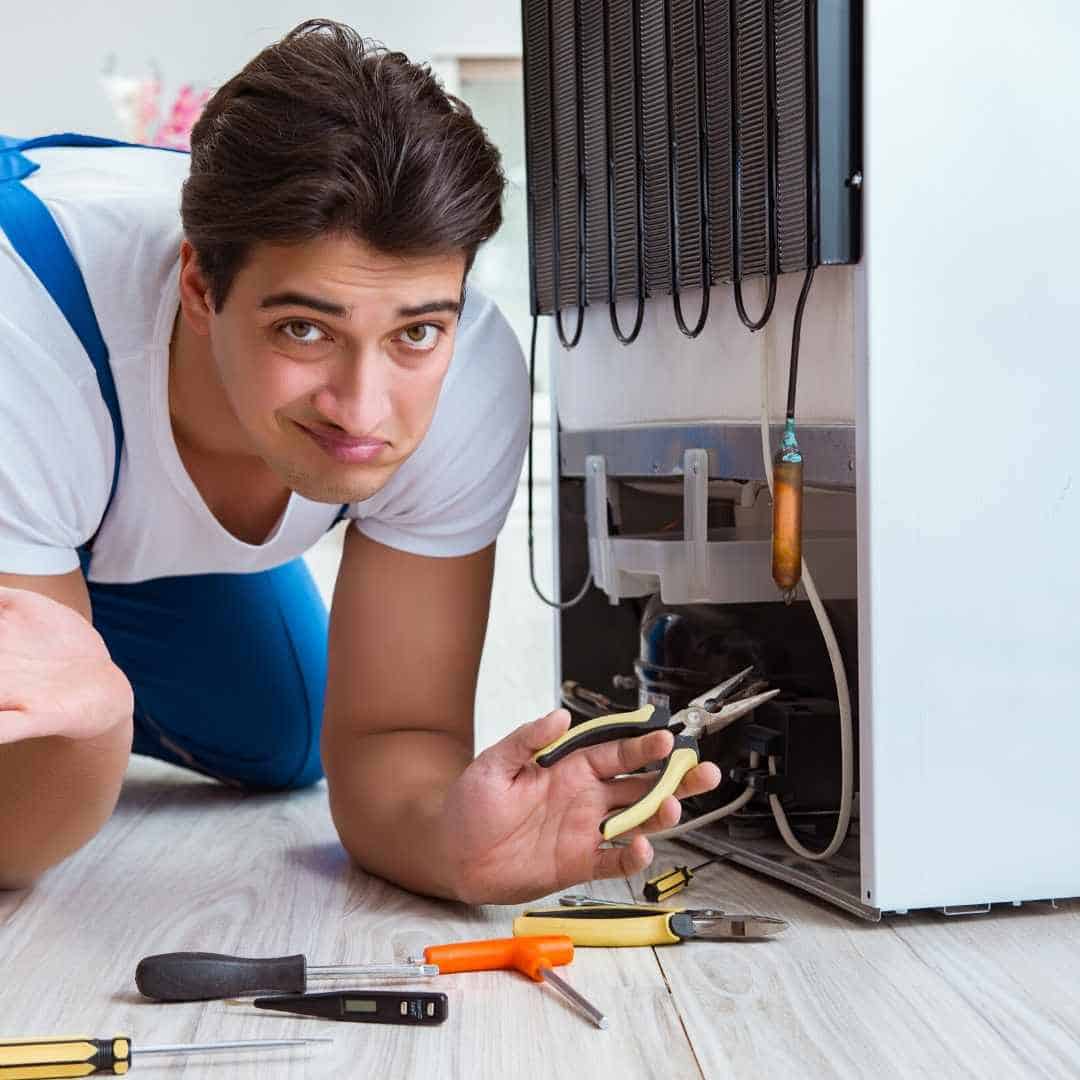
(386, 795)
(55, 794)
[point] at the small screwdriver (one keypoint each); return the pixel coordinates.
(532, 956)
(38, 1059)
(658, 889)
(195, 976)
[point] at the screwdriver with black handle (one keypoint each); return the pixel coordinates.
(197, 976)
(51, 1057)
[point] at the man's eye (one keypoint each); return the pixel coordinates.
(299, 330)
(421, 336)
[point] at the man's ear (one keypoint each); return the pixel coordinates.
(195, 300)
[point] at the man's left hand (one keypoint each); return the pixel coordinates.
(516, 831)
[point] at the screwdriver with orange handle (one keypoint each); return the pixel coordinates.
(52, 1057)
(532, 956)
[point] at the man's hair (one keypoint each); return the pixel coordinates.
(327, 133)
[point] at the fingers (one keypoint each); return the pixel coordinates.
(631, 790)
(628, 790)
(517, 749)
(623, 861)
(669, 814)
(628, 755)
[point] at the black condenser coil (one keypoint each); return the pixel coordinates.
(676, 143)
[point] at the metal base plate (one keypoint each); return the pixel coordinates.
(734, 451)
(837, 881)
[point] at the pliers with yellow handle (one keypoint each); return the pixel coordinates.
(602, 924)
(709, 712)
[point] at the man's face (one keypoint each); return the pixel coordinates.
(331, 355)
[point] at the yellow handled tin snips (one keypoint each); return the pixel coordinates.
(601, 924)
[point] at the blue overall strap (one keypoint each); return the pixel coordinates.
(64, 138)
(39, 242)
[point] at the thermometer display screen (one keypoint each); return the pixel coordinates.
(360, 1005)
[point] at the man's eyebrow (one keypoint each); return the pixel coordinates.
(452, 306)
(328, 307)
(295, 299)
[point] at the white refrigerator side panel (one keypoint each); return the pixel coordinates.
(970, 453)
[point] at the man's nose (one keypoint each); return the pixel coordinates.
(357, 394)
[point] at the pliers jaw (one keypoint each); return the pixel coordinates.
(716, 696)
(715, 710)
(726, 926)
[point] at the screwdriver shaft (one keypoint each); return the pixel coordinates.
(239, 1044)
(406, 970)
(571, 995)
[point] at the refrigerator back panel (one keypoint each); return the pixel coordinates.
(715, 377)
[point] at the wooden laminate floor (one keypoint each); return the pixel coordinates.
(186, 864)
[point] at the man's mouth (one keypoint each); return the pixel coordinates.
(346, 449)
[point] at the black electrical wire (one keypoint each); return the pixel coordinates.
(703, 180)
(812, 198)
(623, 338)
(736, 168)
(796, 334)
(581, 593)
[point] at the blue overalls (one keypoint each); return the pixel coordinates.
(228, 670)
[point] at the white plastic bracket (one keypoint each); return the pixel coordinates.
(696, 520)
(596, 524)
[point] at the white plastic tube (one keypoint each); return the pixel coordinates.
(843, 694)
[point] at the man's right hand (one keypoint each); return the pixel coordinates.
(56, 676)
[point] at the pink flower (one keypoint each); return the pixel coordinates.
(185, 111)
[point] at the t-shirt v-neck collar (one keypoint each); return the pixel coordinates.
(164, 438)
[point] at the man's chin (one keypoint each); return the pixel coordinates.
(334, 490)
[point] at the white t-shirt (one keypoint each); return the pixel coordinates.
(118, 209)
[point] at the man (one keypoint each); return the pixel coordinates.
(296, 344)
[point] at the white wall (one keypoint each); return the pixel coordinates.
(54, 52)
